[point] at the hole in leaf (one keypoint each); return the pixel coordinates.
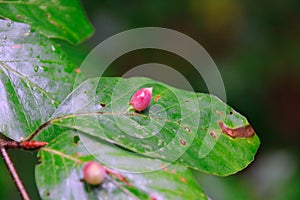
(76, 139)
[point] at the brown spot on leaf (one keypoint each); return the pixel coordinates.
(118, 176)
(20, 17)
(220, 113)
(164, 168)
(183, 142)
(187, 129)
(242, 132)
(182, 179)
(77, 70)
(212, 134)
(157, 97)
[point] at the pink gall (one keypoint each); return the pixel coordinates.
(141, 99)
(93, 173)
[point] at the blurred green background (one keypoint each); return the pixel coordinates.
(256, 46)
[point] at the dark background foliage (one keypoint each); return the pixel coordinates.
(256, 46)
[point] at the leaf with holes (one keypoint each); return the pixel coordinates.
(178, 126)
(65, 156)
(55, 19)
(35, 76)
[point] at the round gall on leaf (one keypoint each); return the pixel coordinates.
(93, 173)
(141, 99)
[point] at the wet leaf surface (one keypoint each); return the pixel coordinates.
(153, 149)
(182, 126)
(59, 175)
(55, 19)
(35, 76)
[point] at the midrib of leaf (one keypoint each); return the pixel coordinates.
(53, 120)
(30, 83)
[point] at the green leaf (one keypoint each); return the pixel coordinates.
(63, 19)
(35, 76)
(63, 160)
(179, 126)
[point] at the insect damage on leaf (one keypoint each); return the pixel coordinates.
(242, 132)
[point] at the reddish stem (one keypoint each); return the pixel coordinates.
(13, 173)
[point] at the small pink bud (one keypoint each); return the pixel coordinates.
(93, 173)
(141, 99)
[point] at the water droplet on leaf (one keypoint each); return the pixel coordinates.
(53, 48)
(36, 68)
